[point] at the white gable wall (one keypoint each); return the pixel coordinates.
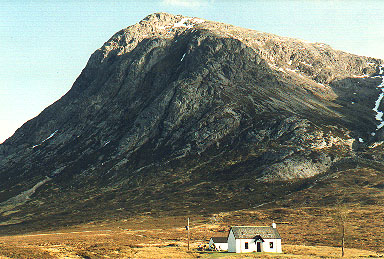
(231, 242)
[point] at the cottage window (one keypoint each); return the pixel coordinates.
(246, 245)
(270, 244)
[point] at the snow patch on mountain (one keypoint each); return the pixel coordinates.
(50, 136)
(379, 114)
(188, 23)
(182, 58)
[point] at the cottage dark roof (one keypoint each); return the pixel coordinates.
(219, 239)
(248, 232)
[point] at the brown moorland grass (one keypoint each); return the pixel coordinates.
(309, 232)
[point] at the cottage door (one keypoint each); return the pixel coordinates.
(258, 244)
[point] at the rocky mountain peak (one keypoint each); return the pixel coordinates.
(176, 106)
(158, 25)
(156, 17)
(317, 61)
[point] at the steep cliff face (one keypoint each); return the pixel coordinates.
(179, 112)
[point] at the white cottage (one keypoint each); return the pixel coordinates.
(218, 243)
(245, 239)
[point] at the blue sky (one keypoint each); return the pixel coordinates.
(45, 44)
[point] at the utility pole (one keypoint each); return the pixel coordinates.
(188, 233)
(341, 218)
(342, 239)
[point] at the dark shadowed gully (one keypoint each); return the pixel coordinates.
(180, 115)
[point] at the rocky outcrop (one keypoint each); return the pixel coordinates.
(174, 103)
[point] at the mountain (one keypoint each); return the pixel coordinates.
(181, 115)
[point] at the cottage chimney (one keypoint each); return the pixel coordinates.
(274, 225)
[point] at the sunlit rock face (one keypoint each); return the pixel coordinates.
(177, 112)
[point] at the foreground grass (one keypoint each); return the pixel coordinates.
(163, 251)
